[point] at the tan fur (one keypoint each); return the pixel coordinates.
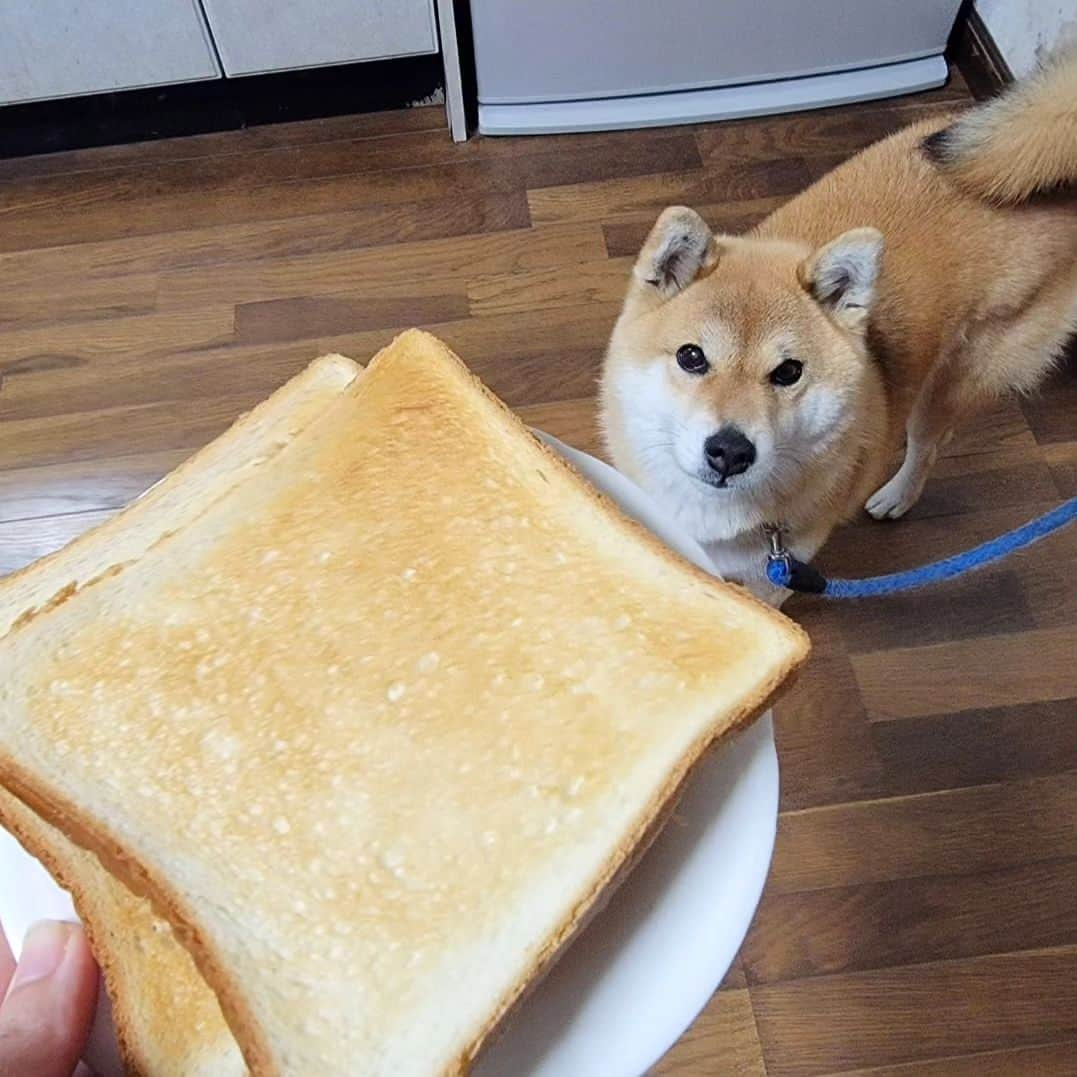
(970, 300)
(1000, 153)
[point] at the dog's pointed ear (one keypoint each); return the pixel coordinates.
(841, 276)
(679, 249)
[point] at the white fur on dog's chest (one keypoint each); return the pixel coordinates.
(740, 562)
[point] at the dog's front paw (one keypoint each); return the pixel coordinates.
(894, 499)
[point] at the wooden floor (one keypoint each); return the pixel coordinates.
(921, 913)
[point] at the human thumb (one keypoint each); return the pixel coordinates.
(46, 1015)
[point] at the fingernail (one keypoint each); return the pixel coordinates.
(42, 952)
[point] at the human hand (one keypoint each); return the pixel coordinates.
(49, 1000)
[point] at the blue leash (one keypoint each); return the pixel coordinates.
(784, 570)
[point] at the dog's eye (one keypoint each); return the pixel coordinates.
(787, 372)
(690, 358)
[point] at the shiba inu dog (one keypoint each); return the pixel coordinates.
(768, 379)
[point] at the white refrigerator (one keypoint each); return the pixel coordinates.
(548, 66)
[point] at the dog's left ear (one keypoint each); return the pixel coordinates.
(841, 276)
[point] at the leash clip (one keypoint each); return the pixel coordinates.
(776, 537)
(779, 562)
(784, 570)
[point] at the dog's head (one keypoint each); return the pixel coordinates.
(735, 365)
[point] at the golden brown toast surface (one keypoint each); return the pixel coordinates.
(378, 723)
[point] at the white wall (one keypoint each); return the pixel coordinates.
(1026, 31)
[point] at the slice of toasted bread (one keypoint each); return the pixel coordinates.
(167, 1019)
(378, 724)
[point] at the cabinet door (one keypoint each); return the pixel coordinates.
(255, 36)
(62, 48)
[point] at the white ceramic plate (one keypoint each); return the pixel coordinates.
(637, 977)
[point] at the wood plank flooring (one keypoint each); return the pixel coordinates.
(920, 918)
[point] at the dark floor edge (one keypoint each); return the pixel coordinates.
(973, 50)
(218, 105)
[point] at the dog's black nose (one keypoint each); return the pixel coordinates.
(729, 452)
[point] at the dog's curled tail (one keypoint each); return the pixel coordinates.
(1020, 144)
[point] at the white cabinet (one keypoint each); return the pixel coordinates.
(61, 48)
(68, 48)
(255, 36)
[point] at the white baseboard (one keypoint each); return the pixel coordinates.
(726, 103)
